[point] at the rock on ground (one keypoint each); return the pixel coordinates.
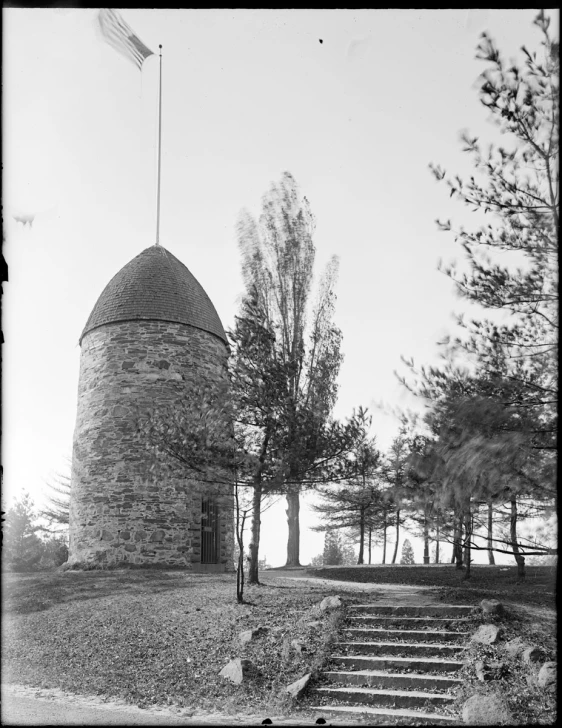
(486, 671)
(492, 606)
(486, 710)
(532, 654)
(486, 634)
(297, 645)
(251, 634)
(330, 603)
(515, 647)
(547, 676)
(236, 670)
(297, 688)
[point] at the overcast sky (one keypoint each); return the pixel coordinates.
(355, 104)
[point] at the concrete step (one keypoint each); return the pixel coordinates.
(411, 635)
(450, 623)
(388, 716)
(385, 679)
(419, 664)
(379, 698)
(424, 610)
(427, 649)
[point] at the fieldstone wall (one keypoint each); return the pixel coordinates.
(119, 510)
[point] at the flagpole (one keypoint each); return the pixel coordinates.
(159, 151)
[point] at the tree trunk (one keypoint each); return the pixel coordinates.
(397, 536)
(425, 540)
(293, 542)
(384, 527)
(519, 558)
(491, 559)
(253, 576)
(455, 536)
(240, 539)
(437, 543)
(457, 545)
(360, 560)
(468, 536)
(370, 541)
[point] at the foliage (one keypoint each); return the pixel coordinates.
(493, 420)
(56, 512)
(317, 560)
(21, 546)
(22, 549)
(277, 265)
(518, 188)
(407, 556)
(394, 472)
(337, 550)
(332, 554)
(193, 435)
(358, 502)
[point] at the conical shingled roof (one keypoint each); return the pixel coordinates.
(155, 286)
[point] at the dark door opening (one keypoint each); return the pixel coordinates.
(209, 531)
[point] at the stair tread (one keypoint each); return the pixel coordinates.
(413, 619)
(387, 673)
(396, 712)
(432, 660)
(419, 606)
(387, 691)
(402, 631)
(383, 643)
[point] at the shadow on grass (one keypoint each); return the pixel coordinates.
(28, 593)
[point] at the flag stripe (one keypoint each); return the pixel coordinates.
(119, 35)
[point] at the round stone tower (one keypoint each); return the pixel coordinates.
(152, 332)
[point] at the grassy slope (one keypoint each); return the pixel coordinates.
(157, 637)
(162, 637)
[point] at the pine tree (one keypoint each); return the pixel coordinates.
(512, 268)
(56, 512)
(333, 550)
(407, 553)
(22, 548)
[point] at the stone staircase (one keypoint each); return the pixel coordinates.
(396, 665)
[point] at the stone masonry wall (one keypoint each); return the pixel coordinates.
(119, 511)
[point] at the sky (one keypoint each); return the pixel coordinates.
(354, 103)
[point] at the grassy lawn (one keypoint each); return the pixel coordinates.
(159, 637)
(538, 589)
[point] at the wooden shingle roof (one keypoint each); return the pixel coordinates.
(155, 286)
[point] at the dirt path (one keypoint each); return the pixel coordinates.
(382, 593)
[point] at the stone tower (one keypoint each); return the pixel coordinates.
(152, 329)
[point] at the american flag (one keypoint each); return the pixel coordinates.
(118, 34)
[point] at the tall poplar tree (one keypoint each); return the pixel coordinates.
(277, 265)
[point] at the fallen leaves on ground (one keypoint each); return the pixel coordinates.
(157, 638)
